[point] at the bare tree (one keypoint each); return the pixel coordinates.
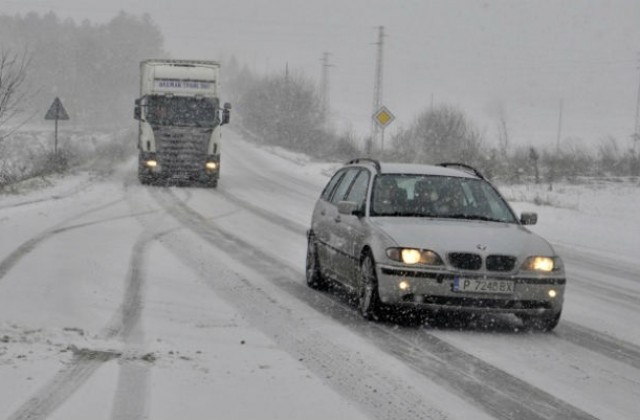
(439, 134)
(13, 73)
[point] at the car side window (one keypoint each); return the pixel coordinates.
(326, 193)
(343, 186)
(358, 191)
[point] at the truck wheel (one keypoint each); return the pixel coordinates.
(145, 179)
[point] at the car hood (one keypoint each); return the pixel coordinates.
(447, 235)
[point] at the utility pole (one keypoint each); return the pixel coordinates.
(636, 131)
(377, 90)
(324, 88)
(559, 129)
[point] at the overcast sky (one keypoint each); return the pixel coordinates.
(521, 57)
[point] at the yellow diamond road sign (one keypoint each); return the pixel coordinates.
(383, 117)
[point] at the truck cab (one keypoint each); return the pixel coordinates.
(180, 116)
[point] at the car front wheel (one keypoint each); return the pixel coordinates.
(315, 280)
(369, 303)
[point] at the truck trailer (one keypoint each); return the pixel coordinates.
(179, 117)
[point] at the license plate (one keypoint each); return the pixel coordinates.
(471, 285)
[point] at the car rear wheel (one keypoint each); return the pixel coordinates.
(315, 279)
(546, 322)
(369, 303)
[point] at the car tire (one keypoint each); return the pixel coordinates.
(545, 323)
(369, 304)
(315, 279)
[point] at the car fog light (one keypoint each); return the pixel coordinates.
(552, 293)
(404, 285)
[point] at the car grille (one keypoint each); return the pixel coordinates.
(465, 261)
(500, 262)
(469, 261)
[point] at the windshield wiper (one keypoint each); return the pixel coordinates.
(473, 217)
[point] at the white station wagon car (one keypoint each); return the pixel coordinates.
(438, 238)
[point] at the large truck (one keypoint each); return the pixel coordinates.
(179, 116)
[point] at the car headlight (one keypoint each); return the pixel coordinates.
(414, 256)
(542, 264)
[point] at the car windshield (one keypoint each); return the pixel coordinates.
(438, 197)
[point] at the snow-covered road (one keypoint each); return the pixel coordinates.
(119, 301)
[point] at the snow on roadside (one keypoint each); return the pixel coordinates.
(599, 216)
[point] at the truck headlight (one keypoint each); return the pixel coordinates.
(414, 256)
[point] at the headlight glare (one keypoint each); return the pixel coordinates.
(414, 256)
(410, 256)
(543, 264)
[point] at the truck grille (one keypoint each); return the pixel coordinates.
(180, 151)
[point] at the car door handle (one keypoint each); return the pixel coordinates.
(323, 213)
(337, 219)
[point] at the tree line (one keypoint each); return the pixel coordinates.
(285, 109)
(93, 68)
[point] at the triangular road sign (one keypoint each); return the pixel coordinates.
(56, 111)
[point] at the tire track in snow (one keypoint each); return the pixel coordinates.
(603, 344)
(382, 395)
(130, 401)
(85, 361)
(301, 188)
(62, 386)
(20, 252)
(265, 214)
(491, 389)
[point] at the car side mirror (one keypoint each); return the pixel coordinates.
(137, 113)
(528, 218)
(349, 208)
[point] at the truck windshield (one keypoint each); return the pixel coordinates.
(182, 111)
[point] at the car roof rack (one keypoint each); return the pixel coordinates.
(362, 160)
(464, 166)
